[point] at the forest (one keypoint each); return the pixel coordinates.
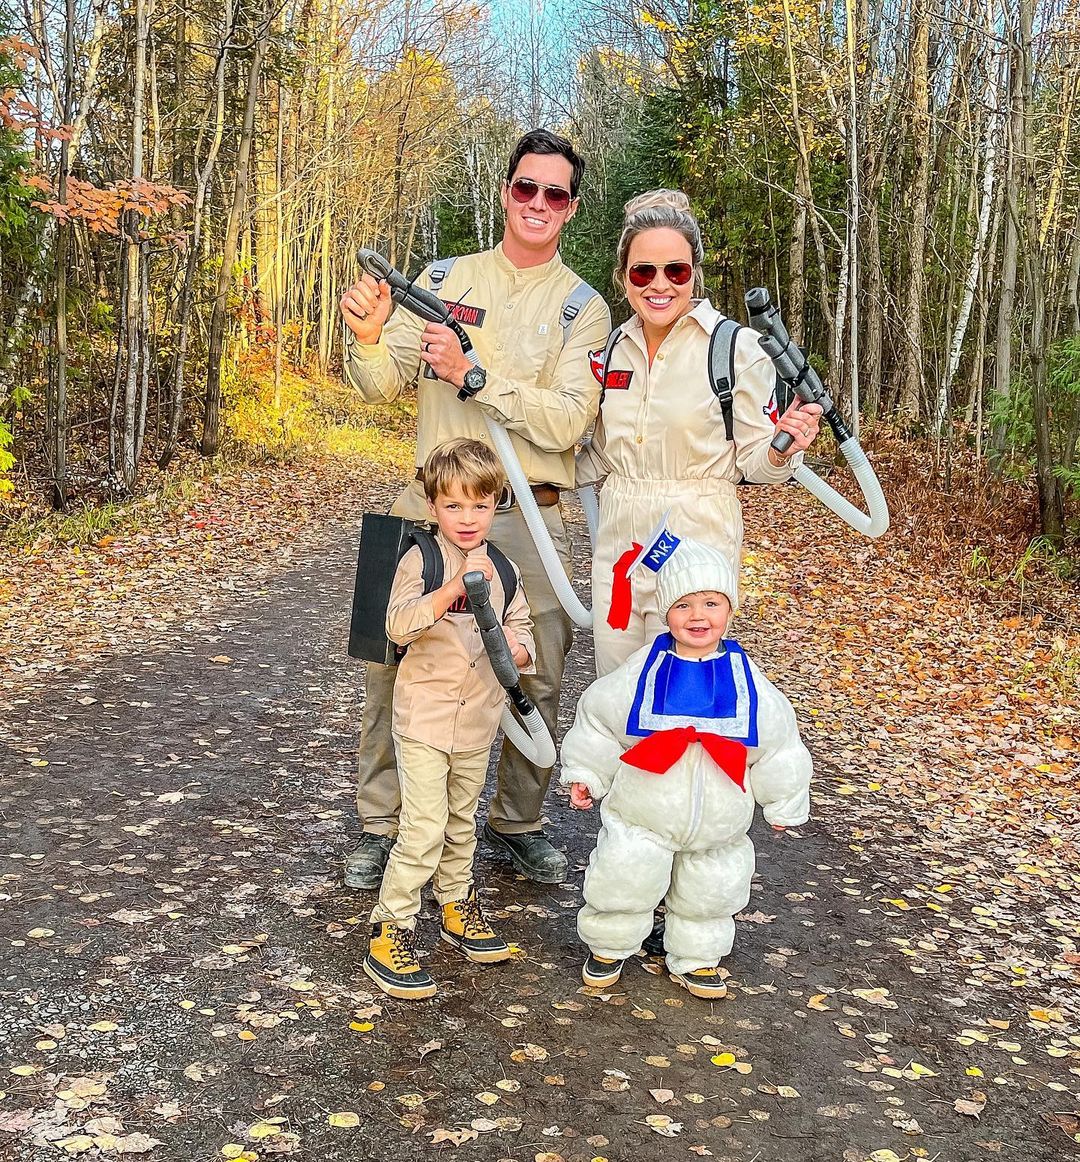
(184, 187)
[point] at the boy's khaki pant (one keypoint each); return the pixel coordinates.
(436, 829)
(520, 787)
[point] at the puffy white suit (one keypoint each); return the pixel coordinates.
(680, 834)
(659, 445)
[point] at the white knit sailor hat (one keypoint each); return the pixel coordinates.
(695, 568)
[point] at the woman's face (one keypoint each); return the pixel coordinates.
(662, 301)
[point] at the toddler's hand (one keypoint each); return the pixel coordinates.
(778, 827)
(517, 651)
(580, 797)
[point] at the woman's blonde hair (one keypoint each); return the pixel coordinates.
(659, 210)
(467, 462)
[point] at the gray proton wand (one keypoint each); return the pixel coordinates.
(534, 741)
(415, 299)
(792, 366)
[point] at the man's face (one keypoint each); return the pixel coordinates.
(534, 225)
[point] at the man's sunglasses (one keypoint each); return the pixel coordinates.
(524, 190)
(677, 273)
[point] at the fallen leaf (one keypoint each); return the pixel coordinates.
(345, 1119)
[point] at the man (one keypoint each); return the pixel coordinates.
(514, 301)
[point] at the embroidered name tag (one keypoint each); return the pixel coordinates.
(466, 315)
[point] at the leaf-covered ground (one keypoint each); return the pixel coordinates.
(180, 962)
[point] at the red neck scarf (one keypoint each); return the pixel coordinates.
(662, 749)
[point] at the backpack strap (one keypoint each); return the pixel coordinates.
(613, 338)
(432, 570)
(438, 271)
(722, 369)
(506, 575)
(572, 307)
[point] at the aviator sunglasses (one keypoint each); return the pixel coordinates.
(524, 190)
(677, 273)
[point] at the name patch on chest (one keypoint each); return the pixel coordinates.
(466, 315)
(614, 380)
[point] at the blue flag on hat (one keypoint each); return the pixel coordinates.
(658, 548)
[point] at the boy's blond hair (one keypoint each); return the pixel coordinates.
(467, 462)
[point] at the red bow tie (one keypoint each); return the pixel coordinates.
(662, 749)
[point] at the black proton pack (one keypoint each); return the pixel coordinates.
(384, 540)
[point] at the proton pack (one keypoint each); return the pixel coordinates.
(384, 540)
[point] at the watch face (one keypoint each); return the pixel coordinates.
(475, 379)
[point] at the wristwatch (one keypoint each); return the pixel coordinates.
(475, 379)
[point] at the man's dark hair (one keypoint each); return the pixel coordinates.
(544, 141)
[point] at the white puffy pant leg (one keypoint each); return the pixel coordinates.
(707, 889)
(628, 874)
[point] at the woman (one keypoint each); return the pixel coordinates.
(660, 442)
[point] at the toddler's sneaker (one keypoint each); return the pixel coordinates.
(392, 964)
(702, 982)
(601, 971)
(465, 926)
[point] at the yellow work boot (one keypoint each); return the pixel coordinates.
(392, 964)
(702, 982)
(465, 926)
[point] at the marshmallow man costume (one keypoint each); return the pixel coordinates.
(659, 444)
(680, 750)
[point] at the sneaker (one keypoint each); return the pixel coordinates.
(365, 866)
(465, 926)
(392, 964)
(601, 971)
(531, 854)
(702, 982)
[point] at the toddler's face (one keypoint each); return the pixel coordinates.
(697, 623)
(464, 520)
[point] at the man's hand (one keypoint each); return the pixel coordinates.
(476, 562)
(365, 307)
(441, 350)
(801, 421)
(517, 651)
(580, 797)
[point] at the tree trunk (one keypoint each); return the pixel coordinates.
(911, 382)
(211, 439)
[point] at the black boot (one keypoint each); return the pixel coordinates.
(364, 866)
(531, 854)
(653, 944)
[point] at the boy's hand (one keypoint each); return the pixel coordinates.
(476, 562)
(517, 651)
(580, 797)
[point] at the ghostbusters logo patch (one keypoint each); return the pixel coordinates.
(615, 380)
(771, 409)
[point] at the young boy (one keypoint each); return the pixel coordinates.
(446, 710)
(681, 741)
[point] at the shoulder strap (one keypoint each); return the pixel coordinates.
(613, 338)
(722, 369)
(440, 268)
(506, 575)
(432, 571)
(572, 307)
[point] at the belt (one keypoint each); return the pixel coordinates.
(545, 495)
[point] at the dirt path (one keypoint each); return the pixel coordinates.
(180, 961)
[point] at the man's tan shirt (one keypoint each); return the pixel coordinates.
(446, 693)
(543, 393)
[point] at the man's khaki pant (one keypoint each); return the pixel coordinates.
(521, 787)
(437, 833)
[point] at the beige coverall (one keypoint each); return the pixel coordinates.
(545, 396)
(447, 705)
(659, 444)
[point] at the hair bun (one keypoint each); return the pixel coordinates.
(654, 199)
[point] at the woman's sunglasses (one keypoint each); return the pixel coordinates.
(677, 273)
(524, 190)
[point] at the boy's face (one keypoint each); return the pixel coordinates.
(697, 623)
(464, 520)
